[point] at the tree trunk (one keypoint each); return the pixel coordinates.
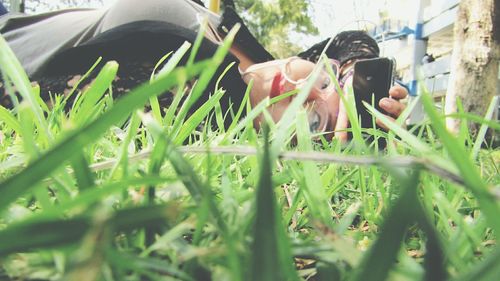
(475, 59)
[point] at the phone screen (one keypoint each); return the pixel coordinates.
(371, 82)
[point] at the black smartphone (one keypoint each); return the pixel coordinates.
(372, 80)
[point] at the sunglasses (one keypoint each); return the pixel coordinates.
(285, 70)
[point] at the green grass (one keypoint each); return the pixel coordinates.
(106, 192)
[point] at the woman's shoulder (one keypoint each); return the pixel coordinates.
(184, 13)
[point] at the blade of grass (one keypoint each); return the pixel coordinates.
(83, 174)
(153, 101)
(28, 131)
(313, 188)
(199, 192)
(170, 115)
(271, 254)
(493, 124)
(392, 232)
(347, 218)
(167, 68)
(247, 121)
(218, 110)
(43, 105)
(10, 121)
(347, 98)
(19, 237)
(486, 270)
(55, 232)
(77, 84)
(434, 263)
(283, 127)
(145, 265)
(418, 144)
(197, 117)
(11, 68)
(206, 76)
(123, 160)
(156, 160)
(197, 42)
(237, 117)
(174, 61)
(484, 128)
(97, 89)
(462, 160)
(96, 194)
(19, 183)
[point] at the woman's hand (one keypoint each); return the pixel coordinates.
(391, 105)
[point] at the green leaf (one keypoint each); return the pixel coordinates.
(84, 176)
(12, 70)
(202, 194)
(482, 131)
(487, 270)
(167, 68)
(271, 254)
(206, 76)
(283, 127)
(41, 168)
(77, 84)
(153, 101)
(97, 89)
(129, 262)
(9, 120)
(313, 190)
(41, 234)
(465, 165)
(123, 160)
(373, 267)
(416, 143)
(55, 232)
(197, 117)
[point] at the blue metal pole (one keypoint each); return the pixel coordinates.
(3, 11)
(419, 50)
(419, 47)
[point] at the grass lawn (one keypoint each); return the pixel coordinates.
(105, 191)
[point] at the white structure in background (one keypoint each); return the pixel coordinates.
(429, 33)
(16, 5)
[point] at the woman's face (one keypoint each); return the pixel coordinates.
(274, 78)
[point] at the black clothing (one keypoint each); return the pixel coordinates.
(35, 39)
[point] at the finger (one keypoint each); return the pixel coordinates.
(383, 125)
(392, 106)
(342, 124)
(398, 92)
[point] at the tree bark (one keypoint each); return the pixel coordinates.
(475, 59)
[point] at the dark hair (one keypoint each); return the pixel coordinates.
(345, 46)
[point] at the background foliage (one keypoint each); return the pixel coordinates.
(272, 22)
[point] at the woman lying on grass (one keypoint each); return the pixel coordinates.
(57, 48)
